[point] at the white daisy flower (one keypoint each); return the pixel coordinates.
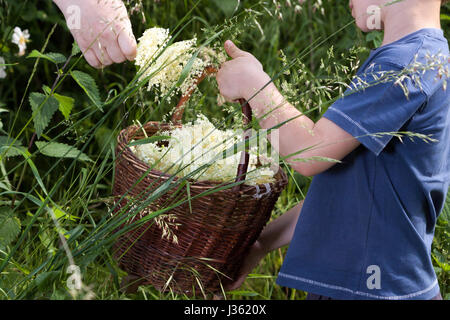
(20, 38)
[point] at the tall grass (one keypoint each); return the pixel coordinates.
(38, 190)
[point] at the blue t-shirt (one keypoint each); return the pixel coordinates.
(367, 224)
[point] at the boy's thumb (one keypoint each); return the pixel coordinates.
(232, 50)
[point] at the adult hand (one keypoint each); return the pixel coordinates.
(101, 29)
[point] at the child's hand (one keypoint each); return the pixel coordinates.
(101, 29)
(241, 77)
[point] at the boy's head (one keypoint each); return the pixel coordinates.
(371, 14)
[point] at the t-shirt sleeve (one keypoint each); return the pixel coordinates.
(377, 103)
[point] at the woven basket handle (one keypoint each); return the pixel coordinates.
(246, 110)
(245, 156)
(179, 109)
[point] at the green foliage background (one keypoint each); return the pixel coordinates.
(51, 175)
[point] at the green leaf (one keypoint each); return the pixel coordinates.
(9, 226)
(75, 49)
(148, 140)
(12, 151)
(65, 103)
(376, 37)
(60, 150)
(60, 213)
(441, 260)
(57, 57)
(54, 57)
(37, 54)
(43, 109)
(87, 83)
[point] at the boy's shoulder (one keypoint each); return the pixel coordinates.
(417, 47)
(422, 54)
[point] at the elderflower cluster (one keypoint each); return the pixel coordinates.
(198, 144)
(163, 64)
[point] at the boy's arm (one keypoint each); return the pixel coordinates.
(279, 232)
(101, 29)
(243, 76)
(325, 137)
(276, 234)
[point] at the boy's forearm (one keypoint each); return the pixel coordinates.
(271, 109)
(279, 232)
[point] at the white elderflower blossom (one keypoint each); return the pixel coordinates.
(150, 42)
(198, 144)
(20, 38)
(163, 63)
(2, 68)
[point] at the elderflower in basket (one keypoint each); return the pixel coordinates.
(197, 145)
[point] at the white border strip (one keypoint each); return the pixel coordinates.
(329, 286)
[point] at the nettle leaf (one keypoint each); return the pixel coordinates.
(87, 83)
(65, 103)
(61, 150)
(57, 57)
(9, 226)
(54, 57)
(43, 109)
(11, 149)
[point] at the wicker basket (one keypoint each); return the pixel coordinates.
(215, 230)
